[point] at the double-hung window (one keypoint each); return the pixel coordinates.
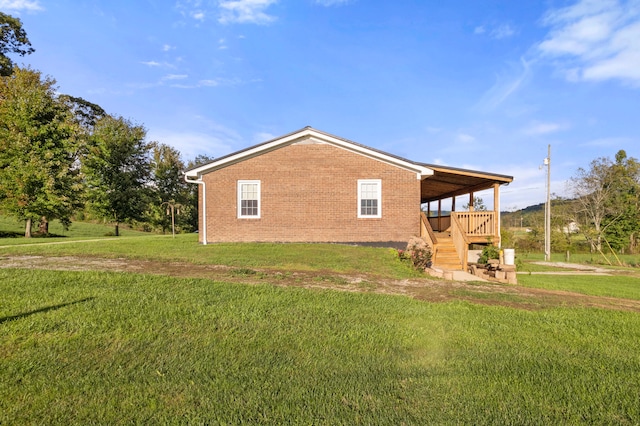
(369, 198)
(249, 199)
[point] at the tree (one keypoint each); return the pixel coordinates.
(621, 229)
(117, 169)
(607, 200)
(169, 187)
(39, 176)
(13, 39)
(86, 113)
(478, 205)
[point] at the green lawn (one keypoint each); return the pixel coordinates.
(12, 231)
(632, 260)
(185, 248)
(626, 287)
(114, 348)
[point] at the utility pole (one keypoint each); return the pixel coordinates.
(547, 209)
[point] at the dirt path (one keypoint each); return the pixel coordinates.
(421, 288)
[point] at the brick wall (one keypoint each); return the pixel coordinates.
(309, 193)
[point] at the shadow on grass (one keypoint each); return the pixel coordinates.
(45, 309)
(10, 234)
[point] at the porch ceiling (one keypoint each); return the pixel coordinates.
(447, 182)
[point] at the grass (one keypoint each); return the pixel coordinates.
(185, 248)
(632, 260)
(12, 231)
(625, 287)
(88, 347)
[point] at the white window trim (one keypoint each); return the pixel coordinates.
(378, 182)
(239, 192)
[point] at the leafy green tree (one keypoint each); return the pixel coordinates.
(13, 39)
(478, 205)
(607, 201)
(118, 170)
(86, 113)
(170, 189)
(622, 226)
(592, 189)
(39, 176)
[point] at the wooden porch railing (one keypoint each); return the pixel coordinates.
(477, 224)
(460, 240)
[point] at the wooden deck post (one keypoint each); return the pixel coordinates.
(496, 207)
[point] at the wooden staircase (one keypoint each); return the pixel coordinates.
(446, 256)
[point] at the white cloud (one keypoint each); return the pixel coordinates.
(174, 77)
(151, 63)
(465, 138)
(17, 5)
(209, 83)
(263, 137)
(595, 40)
(198, 15)
(542, 128)
(167, 47)
(502, 31)
(245, 11)
(497, 32)
(191, 144)
(506, 85)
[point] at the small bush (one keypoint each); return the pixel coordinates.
(418, 253)
(489, 252)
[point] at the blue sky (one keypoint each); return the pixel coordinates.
(485, 85)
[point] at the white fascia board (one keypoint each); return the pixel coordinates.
(421, 171)
(246, 154)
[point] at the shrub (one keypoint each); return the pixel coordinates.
(489, 252)
(418, 253)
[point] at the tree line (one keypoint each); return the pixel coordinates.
(63, 157)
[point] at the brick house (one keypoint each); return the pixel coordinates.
(310, 186)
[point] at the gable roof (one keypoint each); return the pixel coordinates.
(309, 134)
(438, 181)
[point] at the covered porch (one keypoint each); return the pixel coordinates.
(451, 232)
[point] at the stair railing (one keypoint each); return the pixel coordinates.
(426, 232)
(460, 241)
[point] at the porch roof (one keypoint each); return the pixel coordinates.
(447, 182)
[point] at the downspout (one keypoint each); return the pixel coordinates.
(199, 181)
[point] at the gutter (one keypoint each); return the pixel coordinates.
(204, 206)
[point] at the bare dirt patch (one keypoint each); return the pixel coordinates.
(427, 289)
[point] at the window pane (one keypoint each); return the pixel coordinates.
(249, 207)
(368, 207)
(249, 191)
